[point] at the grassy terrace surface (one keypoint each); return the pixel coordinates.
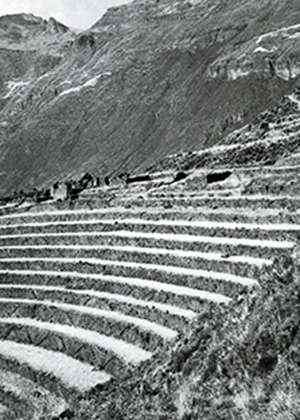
(130, 354)
(3, 409)
(183, 227)
(200, 213)
(72, 373)
(131, 301)
(182, 295)
(101, 292)
(30, 398)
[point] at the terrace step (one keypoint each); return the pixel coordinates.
(34, 400)
(188, 200)
(111, 356)
(138, 331)
(252, 230)
(93, 254)
(197, 180)
(128, 353)
(57, 367)
(121, 280)
(264, 216)
(7, 206)
(268, 170)
(189, 242)
(15, 208)
(225, 283)
(217, 189)
(161, 313)
(250, 201)
(281, 183)
(179, 295)
(277, 174)
(291, 161)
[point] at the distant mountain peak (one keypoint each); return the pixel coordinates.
(22, 19)
(56, 26)
(31, 20)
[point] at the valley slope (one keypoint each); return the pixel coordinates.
(149, 79)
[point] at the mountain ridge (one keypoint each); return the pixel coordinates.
(148, 79)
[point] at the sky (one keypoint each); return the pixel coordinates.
(80, 14)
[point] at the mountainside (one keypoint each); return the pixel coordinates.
(271, 138)
(149, 79)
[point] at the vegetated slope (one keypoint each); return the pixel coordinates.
(270, 138)
(239, 363)
(149, 79)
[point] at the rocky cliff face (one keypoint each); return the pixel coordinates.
(149, 79)
(29, 46)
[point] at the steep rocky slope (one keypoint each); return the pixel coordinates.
(149, 79)
(270, 138)
(29, 46)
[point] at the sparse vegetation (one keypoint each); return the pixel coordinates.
(240, 362)
(173, 294)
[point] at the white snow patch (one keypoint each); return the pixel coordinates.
(44, 76)
(13, 86)
(71, 90)
(90, 83)
(234, 74)
(261, 49)
(65, 82)
(144, 324)
(130, 353)
(131, 281)
(283, 30)
(173, 310)
(69, 371)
